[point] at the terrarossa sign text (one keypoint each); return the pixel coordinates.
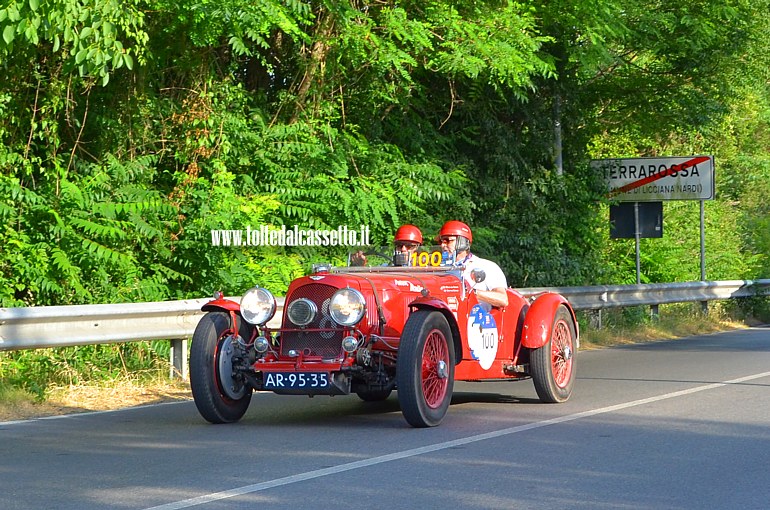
(656, 179)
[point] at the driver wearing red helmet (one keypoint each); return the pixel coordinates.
(456, 238)
(405, 242)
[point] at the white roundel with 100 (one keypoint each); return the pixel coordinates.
(482, 336)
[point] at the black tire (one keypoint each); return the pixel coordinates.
(373, 395)
(425, 377)
(553, 365)
(209, 370)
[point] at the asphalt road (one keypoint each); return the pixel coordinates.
(667, 425)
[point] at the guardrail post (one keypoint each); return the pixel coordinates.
(594, 318)
(654, 312)
(178, 359)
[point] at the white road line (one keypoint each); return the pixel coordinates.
(318, 473)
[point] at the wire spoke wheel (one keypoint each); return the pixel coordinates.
(553, 365)
(562, 355)
(435, 358)
(425, 368)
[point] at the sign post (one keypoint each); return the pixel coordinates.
(637, 238)
(656, 179)
(703, 304)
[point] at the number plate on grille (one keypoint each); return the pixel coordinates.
(295, 380)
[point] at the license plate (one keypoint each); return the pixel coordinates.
(295, 380)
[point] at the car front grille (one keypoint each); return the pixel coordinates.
(326, 344)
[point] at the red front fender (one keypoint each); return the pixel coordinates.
(432, 303)
(231, 308)
(538, 321)
(222, 305)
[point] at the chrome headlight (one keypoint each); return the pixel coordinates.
(257, 306)
(301, 311)
(347, 307)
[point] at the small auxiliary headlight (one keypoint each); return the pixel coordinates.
(261, 345)
(349, 344)
(257, 306)
(347, 307)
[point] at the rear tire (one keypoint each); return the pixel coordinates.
(425, 368)
(219, 396)
(553, 364)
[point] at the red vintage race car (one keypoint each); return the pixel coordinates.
(371, 330)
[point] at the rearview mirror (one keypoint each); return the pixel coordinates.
(478, 275)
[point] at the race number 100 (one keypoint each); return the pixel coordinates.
(425, 259)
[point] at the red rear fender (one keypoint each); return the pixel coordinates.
(538, 321)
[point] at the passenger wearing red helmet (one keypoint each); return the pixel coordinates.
(406, 241)
(456, 238)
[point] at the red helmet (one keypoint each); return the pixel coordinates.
(456, 228)
(408, 233)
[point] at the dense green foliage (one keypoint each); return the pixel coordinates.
(131, 129)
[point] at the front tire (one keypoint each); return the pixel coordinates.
(219, 394)
(553, 364)
(425, 368)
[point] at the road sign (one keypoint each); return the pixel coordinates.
(655, 179)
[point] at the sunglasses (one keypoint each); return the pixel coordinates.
(448, 240)
(409, 246)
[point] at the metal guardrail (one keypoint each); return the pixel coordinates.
(62, 326)
(615, 296)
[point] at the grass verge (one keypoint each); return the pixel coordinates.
(127, 391)
(635, 325)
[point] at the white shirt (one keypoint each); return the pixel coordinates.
(495, 276)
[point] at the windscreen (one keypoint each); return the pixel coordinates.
(422, 256)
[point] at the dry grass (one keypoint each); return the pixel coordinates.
(668, 328)
(16, 404)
